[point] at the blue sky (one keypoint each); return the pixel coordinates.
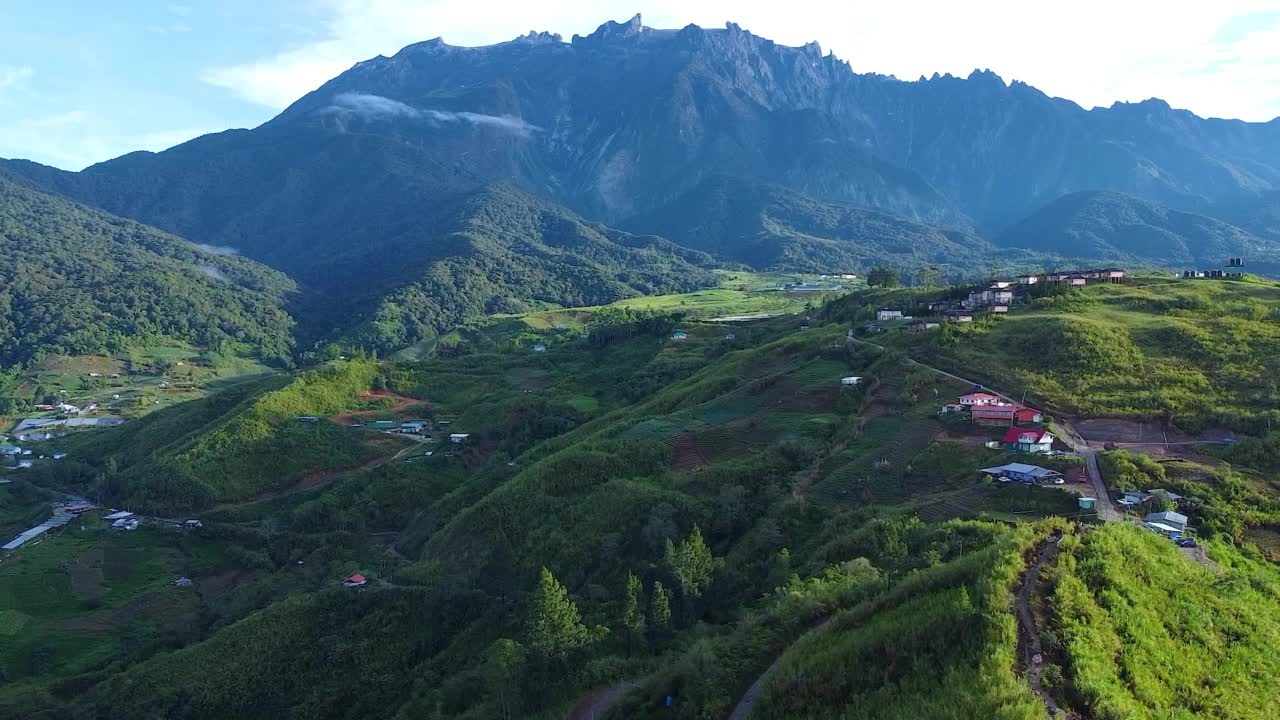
(81, 82)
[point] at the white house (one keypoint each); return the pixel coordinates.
(1168, 522)
(888, 314)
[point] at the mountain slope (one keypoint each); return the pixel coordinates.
(621, 123)
(768, 226)
(77, 280)
(1112, 226)
(501, 250)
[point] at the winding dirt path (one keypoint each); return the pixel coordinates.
(600, 701)
(1030, 655)
(742, 710)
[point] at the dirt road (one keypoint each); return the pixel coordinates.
(599, 702)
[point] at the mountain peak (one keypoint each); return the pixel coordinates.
(612, 30)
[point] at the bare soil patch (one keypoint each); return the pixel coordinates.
(686, 456)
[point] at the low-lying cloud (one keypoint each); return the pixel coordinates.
(377, 106)
(218, 249)
(213, 272)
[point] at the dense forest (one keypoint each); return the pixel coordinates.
(77, 281)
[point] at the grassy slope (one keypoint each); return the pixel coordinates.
(1149, 634)
(1199, 353)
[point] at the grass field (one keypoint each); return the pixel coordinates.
(133, 383)
(76, 598)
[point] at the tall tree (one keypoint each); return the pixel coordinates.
(502, 669)
(660, 607)
(555, 625)
(632, 614)
(929, 276)
(691, 563)
(884, 277)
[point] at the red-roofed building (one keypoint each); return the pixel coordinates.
(1027, 415)
(1029, 440)
(355, 581)
(994, 413)
(979, 398)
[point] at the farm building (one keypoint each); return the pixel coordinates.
(924, 326)
(1167, 522)
(382, 424)
(959, 316)
(679, 335)
(1086, 503)
(886, 314)
(1027, 415)
(730, 336)
(183, 582)
(125, 524)
(994, 413)
(355, 580)
(1000, 309)
(309, 419)
(10, 450)
(1029, 440)
(413, 428)
(539, 347)
(951, 408)
(1022, 472)
(459, 438)
(119, 515)
(851, 380)
(59, 456)
(872, 328)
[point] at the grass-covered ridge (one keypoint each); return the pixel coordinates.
(1149, 634)
(1197, 352)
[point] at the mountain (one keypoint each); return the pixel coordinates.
(77, 280)
(1112, 226)
(1260, 216)
(768, 226)
(618, 124)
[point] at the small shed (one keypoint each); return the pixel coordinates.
(355, 581)
(539, 347)
(1087, 503)
(309, 419)
(851, 380)
(730, 336)
(679, 335)
(183, 582)
(382, 424)
(459, 438)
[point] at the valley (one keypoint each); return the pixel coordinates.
(787, 520)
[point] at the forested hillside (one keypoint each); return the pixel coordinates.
(504, 251)
(1115, 227)
(76, 280)
(768, 226)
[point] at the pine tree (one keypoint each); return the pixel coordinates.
(691, 563)
(555, 625)
(660, 607)
(632, 615)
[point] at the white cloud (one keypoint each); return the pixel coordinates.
(1092, 51)
(376, 106)
(14, 75)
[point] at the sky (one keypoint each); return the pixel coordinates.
(82, 82)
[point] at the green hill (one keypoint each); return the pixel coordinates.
(705, 507)
(77, 280)
(1195, 353)
(1114, 227)
(503, 251)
